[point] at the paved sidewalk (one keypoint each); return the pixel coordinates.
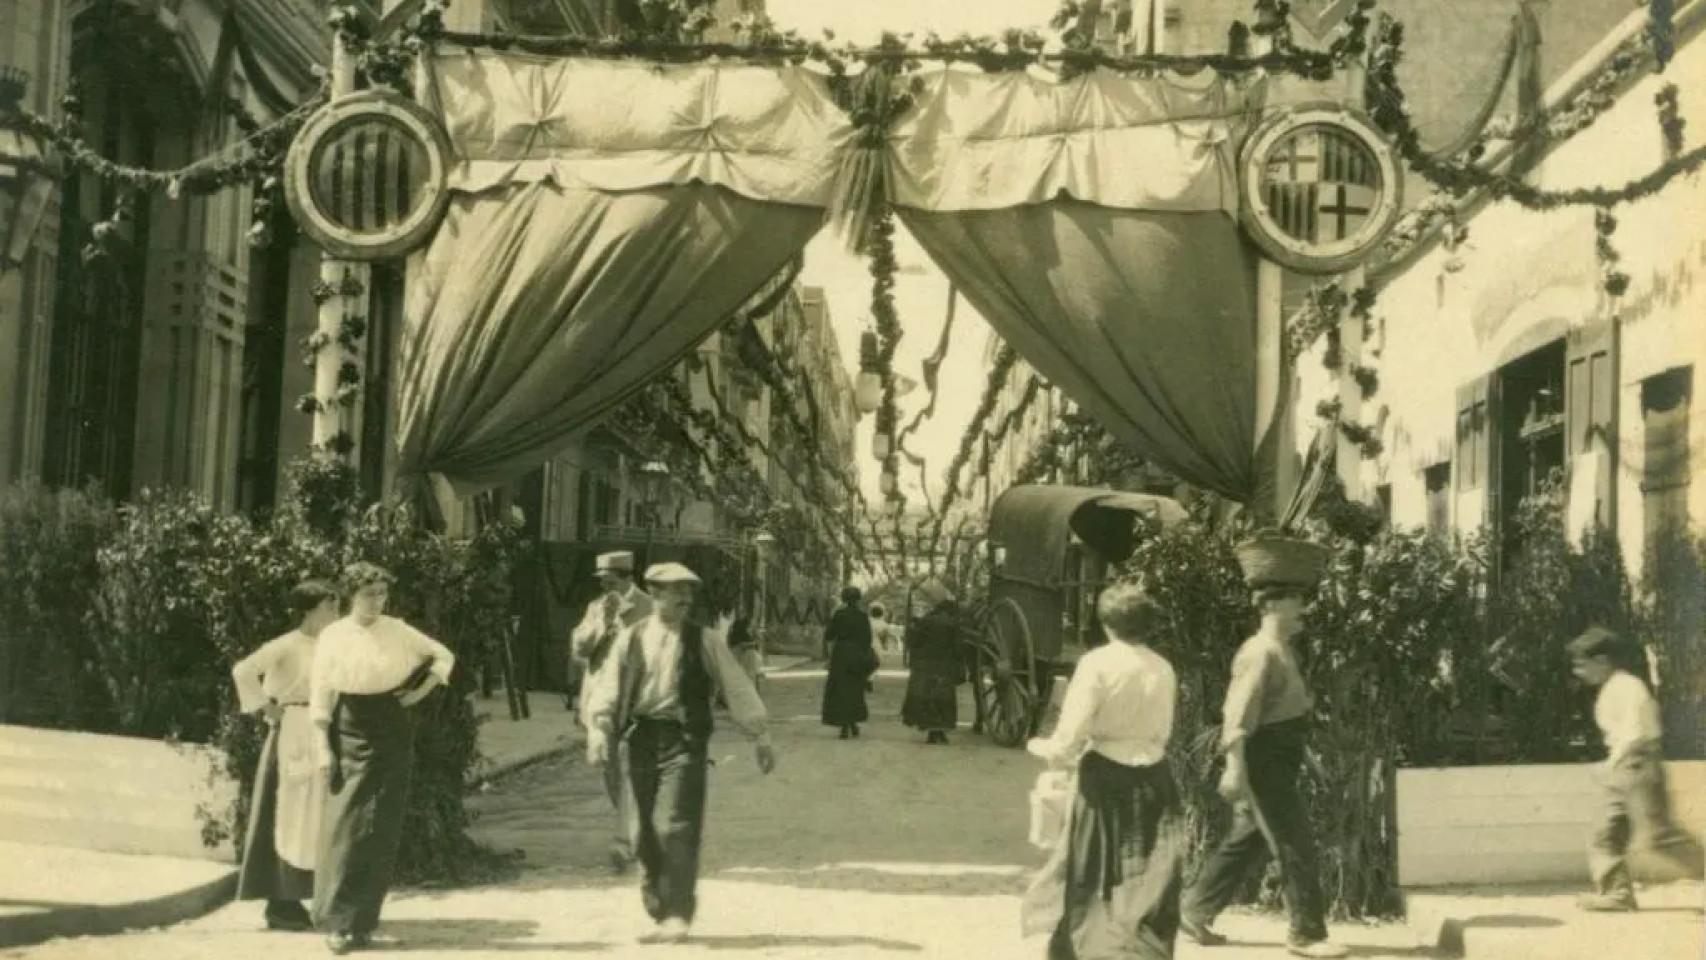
(1544, 924)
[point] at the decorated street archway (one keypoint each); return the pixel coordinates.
(604, 212)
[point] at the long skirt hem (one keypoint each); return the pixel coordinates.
(265, 875)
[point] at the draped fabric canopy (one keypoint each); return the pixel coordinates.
(609, 215)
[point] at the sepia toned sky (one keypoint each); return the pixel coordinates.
(921, 293)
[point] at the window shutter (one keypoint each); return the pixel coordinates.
(1590, 417)
(1475, 467)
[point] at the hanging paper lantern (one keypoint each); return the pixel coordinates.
(888, 483)
(868, 392)
(881, 446)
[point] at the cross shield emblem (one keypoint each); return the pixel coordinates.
(1320, 188)
(1321, 17)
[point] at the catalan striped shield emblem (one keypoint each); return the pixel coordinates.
(366, 176)
(1318, 194)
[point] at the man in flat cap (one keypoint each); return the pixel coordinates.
(622, 605)
(655, 697)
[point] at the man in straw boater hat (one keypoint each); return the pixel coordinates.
(1266, 719)
(622, 605)
(655, 696)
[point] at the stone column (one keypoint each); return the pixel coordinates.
(34, 38)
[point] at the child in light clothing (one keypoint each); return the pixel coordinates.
(1637, 799)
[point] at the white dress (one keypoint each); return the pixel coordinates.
(279, 672)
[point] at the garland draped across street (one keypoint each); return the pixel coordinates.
(876, 85)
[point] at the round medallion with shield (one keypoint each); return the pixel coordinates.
(1320, 188)
(366, 177)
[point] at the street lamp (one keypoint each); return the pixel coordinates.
(762, 541)
(653, 476)
(26, 175)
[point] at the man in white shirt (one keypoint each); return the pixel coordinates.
(1636, 796)
(656, 696)
(622, 605)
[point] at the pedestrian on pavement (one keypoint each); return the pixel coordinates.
(937, 666)
(852, 662)
(1112, 885)
(1637, 797)
(1266, 718)
(885, 633)
(368, 670)
(622, 605)
(285, 803)
(656, 698)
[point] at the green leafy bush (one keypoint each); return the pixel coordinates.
(147, 606)
(48, 572)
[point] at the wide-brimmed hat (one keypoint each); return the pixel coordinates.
(666, 573)
(934, 592)
(620, 561)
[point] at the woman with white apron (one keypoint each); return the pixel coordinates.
(284, 809)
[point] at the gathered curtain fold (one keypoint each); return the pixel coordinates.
(1145, 319)
(537, 311)
(1093, 224)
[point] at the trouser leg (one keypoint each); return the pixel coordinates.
(1647, 803)
(1241, 853)
(679, 821)
(1280, 805)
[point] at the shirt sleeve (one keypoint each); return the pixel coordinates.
(745, 705)
(1083, 698)
(606, 685)
(247, 674)
(321, 695)
(443, 661)
(587, 632)
(1243, 710)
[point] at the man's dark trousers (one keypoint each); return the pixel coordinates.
(1274, 759)
(668, 770)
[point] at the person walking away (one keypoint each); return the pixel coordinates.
(656, 696)
(1637, 797)
(285, 803)
(622, 605)
(933, 650)
(852, 662)
(1265, 740)
(1111, 888)
(369, 669)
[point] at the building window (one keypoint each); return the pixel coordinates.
(1436, 480)
(264, 359)
(1665, 474)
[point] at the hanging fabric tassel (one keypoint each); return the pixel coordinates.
(862, 188)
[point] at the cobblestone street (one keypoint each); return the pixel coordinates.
(871, 848)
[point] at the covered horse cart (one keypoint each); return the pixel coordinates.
(1053, 549)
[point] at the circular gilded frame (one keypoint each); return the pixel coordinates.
(427, 209)
(1271, 236)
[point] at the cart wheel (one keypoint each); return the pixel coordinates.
(1006, 672)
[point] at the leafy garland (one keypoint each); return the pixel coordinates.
(1456, 179)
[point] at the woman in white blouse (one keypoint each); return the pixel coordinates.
(1112, 887)
(369, 668)
(284, 809)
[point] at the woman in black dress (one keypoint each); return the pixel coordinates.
(937, 667)
(852, 661)
(368, 670)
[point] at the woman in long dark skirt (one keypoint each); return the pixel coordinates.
(369, 670)
(284, 807)
(1112, 888)
(936, 666)
(852, 661)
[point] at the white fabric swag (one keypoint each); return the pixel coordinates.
(611, 214)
